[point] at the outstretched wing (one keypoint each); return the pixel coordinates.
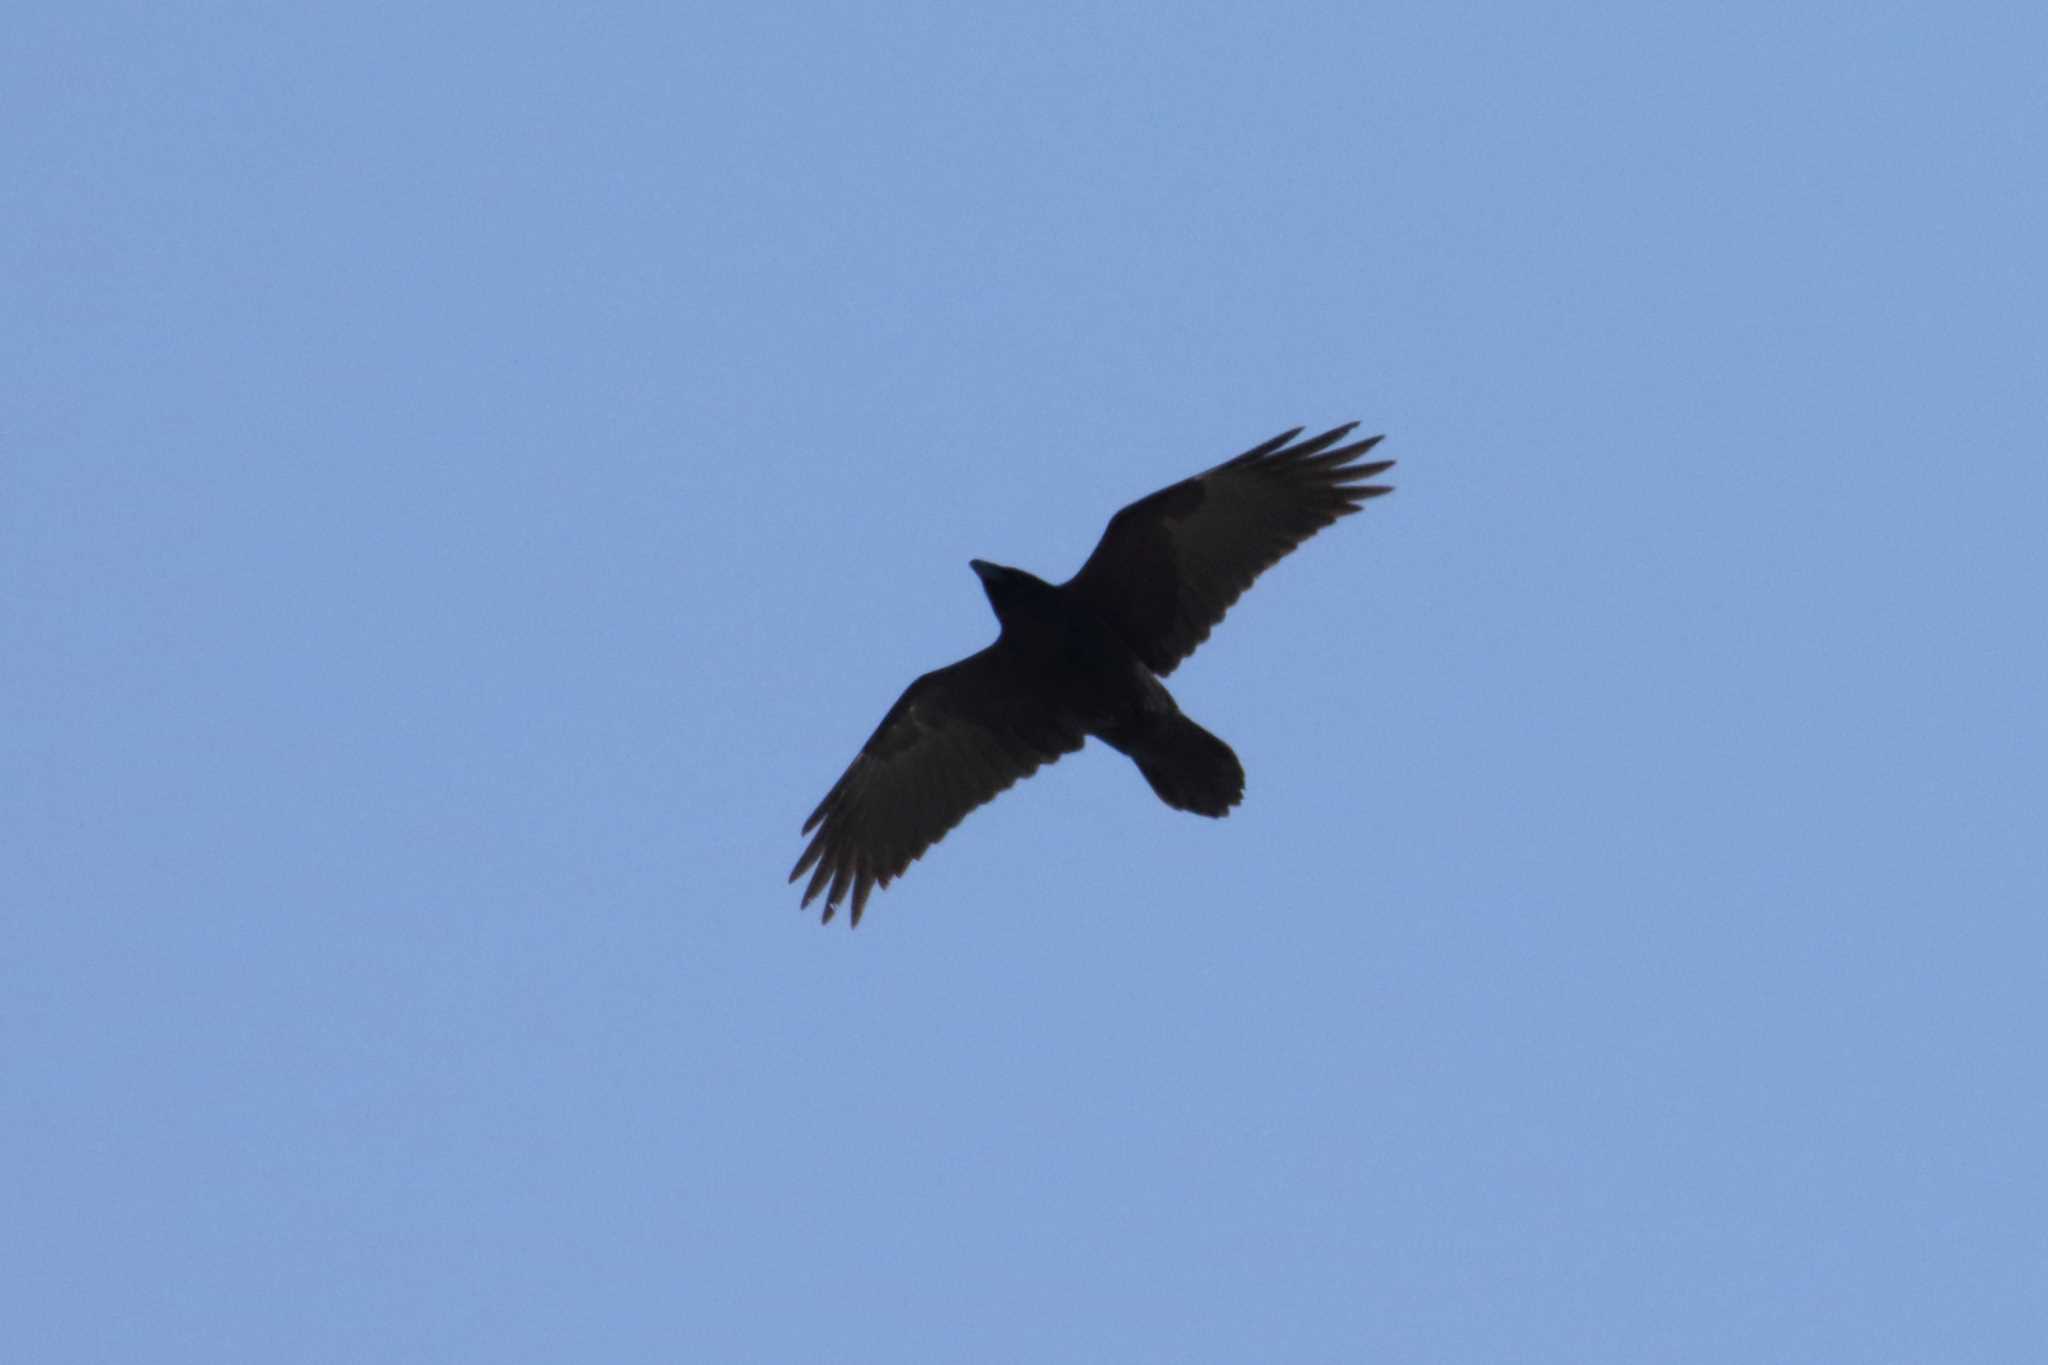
(1171, 564)
(955, 738)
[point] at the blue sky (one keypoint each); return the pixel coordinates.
(470, 479)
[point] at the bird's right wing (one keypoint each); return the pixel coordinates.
(954, 739)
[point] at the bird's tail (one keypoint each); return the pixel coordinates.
(1190, 768)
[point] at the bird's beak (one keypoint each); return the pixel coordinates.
(982, 568)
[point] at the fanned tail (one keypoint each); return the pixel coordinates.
(1191, 769)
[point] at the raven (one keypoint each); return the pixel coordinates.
(1082, 658)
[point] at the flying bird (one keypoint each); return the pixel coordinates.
(1082, 658)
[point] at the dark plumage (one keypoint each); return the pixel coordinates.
(1084, 658)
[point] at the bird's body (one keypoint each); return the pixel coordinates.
(1089, 674)
(1083, 658)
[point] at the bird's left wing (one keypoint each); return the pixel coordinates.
(1170, 565)
(954, 739)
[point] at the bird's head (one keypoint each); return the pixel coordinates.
(994, 577)
(1006, 587)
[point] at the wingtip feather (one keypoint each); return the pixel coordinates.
(810, 856)
(1265, 448)
(818, 880)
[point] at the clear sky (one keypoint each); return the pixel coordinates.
(471, 479)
